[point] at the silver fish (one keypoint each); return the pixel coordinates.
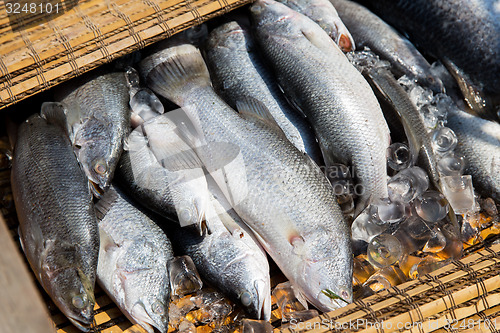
(371, 31)
(163, 171)
(338, 101)
(133, 259)
(479, 143)
(239, 73)
(325, 15)
(419, 139)
(99, 119)
(230, 259)
(269, 183)
(58, 226)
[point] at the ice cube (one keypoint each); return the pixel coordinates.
(186, 326)
(436, 242)
(386, 278)
(132, 77)
(299, 316)
(255, 326)
(420, 96)
(408, 184)
(454, 244)
(398, 156)
(451, 165)
(407, 262)
(384, 250)
(184, 277)
(431, 206)
(444, 140)
(386, 211)
(429, 114)
(288, 299)
(426, 266)
(460, 193)
(362, 270)
(363, 227)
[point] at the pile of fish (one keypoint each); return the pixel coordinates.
(280, 141)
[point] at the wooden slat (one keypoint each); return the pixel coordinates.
(21, 306)
(89, 34)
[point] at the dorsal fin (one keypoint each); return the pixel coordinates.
(251, 108)
(55, 113)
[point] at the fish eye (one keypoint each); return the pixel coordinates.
(345, 294)
(100, 168)
(157, 308)
(185, 215)
(79, 301)
(246, 298)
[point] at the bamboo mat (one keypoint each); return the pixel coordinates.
(39, 50)
(463, 296)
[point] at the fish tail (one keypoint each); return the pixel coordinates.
(181, 67)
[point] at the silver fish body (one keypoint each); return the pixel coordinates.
(338, 101)
(325, 15)
(371, 31)
(99, 120)
(230, 260)
(133, 259)
(163, 171)
(418, 138)
(265, 180)
(479, 143)
(58, 226)
(239, 72)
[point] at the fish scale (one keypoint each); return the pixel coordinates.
(277, 190)
(56, 215)
(239, 72)
(339, 103)
(133, 261)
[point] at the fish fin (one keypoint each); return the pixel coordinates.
(183, 160)
(252, 108)
(106, 241)
(183, 65)
(473, 96)
(55, 113)
(317, 38)
(104, 205)
(299, 295)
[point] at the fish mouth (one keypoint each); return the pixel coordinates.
(83, 326)
(264, 296)
(325, 303)
(96, 189)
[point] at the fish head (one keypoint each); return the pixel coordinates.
(272, 15)
(73, 294)
(327, 282)
(151, 311)
(97, 159)
(230, 36)
(255, 298)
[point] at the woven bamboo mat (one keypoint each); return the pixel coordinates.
(463, 296)
(39, 50)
